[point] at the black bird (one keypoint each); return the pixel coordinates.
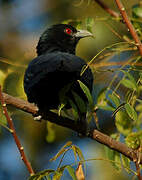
(56, 69)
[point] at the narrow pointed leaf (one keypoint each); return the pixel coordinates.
(131, 112)
(87, 93)
(71, 172)
(62, 150)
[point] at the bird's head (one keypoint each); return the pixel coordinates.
(60, 37)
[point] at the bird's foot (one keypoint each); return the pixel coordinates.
(37, 118)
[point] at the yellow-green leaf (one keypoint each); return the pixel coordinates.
(71, 172)
(87, 93)
(131, 112)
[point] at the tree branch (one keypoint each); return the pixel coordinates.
(129, 25)
(71, 124)
(13, 132)
(107, 9)
(125, 18)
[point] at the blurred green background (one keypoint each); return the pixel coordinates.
(21, 23)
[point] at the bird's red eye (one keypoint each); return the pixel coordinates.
(68, 31)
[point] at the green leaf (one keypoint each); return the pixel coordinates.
(87, 93)
(41, 174)
(71, 172)
(74, 110)
(107, 108)
(129, 84)
(125, 162)
(78, 152)
(57, 175)
(61, 106)
(89, 23)
(137, 11)
(123, 123)
(113, 156)
(139, 107)
(62, 150)
(114, 99)
(130, 77)
(48, 177)
(131, 112)
(101, 96)
(80, 103)
(133, 140)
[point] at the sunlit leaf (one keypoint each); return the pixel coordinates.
(78, 152)
(89, 23)
(123, 123)
(101, 97)
(114, 99)
(79, 172)
(125, 162)
(107, 108)
(129, 84)
(137, 11)
(41, 174)
(62, 150)
(57, 175)
(60, 108)
(131, 112)
(133, 140)
(113, 156)
(71, 172)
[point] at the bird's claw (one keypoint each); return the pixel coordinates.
(38, 118)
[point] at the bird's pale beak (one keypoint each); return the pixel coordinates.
(83, 33)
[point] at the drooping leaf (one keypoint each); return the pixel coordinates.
(131, 112)
(80, 103)
(57, 175)
(131, 78)
(79, 172)
(123, 122)
(129, 84)
(89, 23)
(87, 93)
(74, 110)
(114, 157)
(125, 162)
(71, 172)
(115, 99)
(133, 140)
(106, 107)
(62, 150)
(41, 174)
(101, 97)
(78, 152)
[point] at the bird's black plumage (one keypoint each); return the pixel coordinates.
(56, 67)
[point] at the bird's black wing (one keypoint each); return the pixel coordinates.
(47, 74)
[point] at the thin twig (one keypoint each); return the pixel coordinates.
(129, 25)
(73, 125)
(13, 132)
(107, 9)
(138, 170)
